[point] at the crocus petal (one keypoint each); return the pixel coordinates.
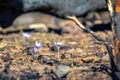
(25, 34)
(38, 45)
(58, 43)
(35, 50)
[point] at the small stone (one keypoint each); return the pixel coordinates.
(65, 48)
(54, 49)
(62, 70)
(66, 56)
(47, 58)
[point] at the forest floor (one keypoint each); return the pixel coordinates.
(80, 57)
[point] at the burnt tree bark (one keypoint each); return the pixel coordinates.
(117, 35)
(114, 9)
(115, 54)
(115, 57)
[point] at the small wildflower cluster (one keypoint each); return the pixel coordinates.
(37, 46)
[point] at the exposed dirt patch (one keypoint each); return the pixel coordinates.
(82, 57)
(81, 52)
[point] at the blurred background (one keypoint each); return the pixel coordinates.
(50, 15)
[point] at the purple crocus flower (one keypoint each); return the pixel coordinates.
(58, 44)
(26, 35)
(38, 45)
(35, 50)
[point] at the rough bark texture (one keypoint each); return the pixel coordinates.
(116, 64)
(117, 28)
(117, 35)
(117, 42)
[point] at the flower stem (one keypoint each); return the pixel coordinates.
(59, 53)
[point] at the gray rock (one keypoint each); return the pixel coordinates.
(62, 70)
(59, 7)
(10, 9)
(32, 17)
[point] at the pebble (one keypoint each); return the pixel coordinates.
(65, 48)
(55, 48)
(62, 70)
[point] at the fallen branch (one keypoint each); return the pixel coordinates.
(111, 14)
(112, 55)
(80, 25)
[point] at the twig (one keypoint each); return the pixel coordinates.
(111, 14)
(111, 57)
(80, 25)
(112, 20)
(110, 7)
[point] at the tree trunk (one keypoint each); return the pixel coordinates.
(117, 35)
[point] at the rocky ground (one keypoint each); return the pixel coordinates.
(80, 57)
